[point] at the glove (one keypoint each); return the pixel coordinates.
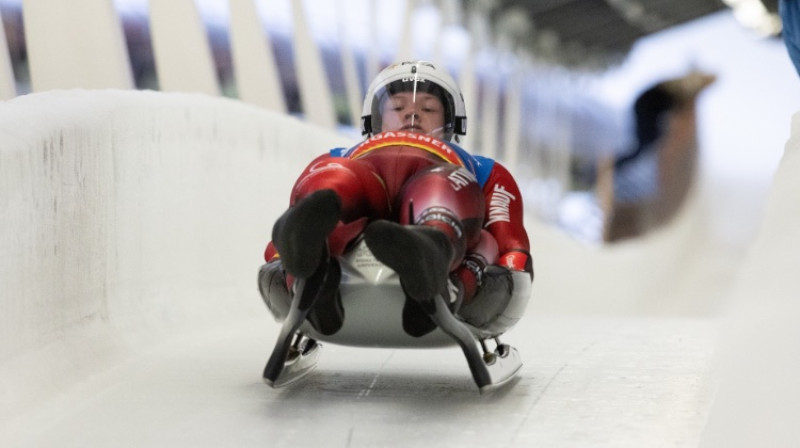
(491, 299)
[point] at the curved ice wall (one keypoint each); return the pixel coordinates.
(128, 217)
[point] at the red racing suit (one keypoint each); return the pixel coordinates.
(370, 178)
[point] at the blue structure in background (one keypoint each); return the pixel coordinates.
(790, 16)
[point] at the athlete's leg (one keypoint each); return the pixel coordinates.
(447, 198)
(329, 203)
(441, 214)
(361, 190)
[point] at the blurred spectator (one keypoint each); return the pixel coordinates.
(652, 179)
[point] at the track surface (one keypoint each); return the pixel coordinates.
(603, 382)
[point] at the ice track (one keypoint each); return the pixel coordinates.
(587, 382)
(131, 318)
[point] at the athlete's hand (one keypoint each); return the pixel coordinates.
(491, 299)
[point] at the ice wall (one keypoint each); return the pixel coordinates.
(759, 395)
(128, 217)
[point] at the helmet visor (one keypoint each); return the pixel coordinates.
(412, 105)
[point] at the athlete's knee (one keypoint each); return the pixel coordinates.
(445, 189)
(359, 188)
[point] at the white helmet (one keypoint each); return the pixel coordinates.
(418, 76)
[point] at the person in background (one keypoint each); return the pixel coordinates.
(652, 179)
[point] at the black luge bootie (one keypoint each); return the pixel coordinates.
(420, 255)
(300, 233)
(327, 313)
(416, 319)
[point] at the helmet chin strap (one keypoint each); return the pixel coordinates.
(439, 130)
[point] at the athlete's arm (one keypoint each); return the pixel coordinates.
(504, 220)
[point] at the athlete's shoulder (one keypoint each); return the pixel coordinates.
(481, 166)
(341, 152)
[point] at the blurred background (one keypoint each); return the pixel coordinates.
(611, 113)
